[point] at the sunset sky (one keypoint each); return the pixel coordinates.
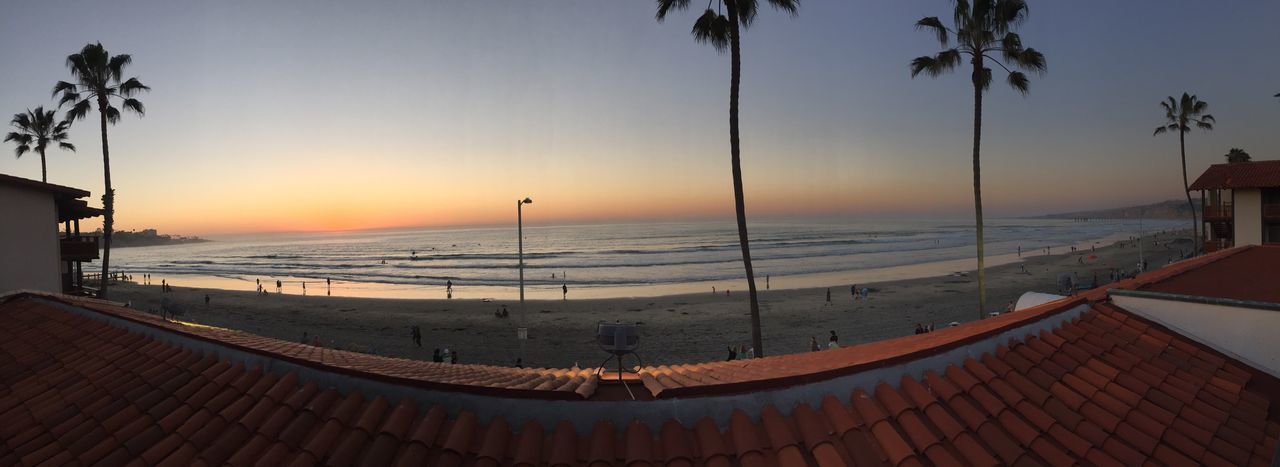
(306, 115)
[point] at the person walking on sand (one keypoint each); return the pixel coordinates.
(853, 290)
(164, 286)
(436, 357)
(828, 294)
(1019, 251)
(448, 285)
(766, 282)
(732, 354)
(206, 300)
(304, 287)
(833, 342)
(813, 344)
(279, 286)
(564, 289)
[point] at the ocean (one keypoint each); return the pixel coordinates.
(607, 260)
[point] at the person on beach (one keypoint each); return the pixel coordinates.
(279, 286)
(713, 290)
(453, 357)
(206, 300)
(448, 286)
(766, 282)
(519, 362)
(436, 357)
(1019, 251)
(828, 294)
(742, 351)
(853, 290)
(813, 344)
(732, 354)
(565, 291)
(833, 342)
(416, 333)
(919, 329)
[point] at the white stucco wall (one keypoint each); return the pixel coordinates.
(1248, 217)
(28, 240)
(1249, 334)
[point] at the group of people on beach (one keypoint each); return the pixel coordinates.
(741, 352)
(833, 342)
(854, 291)
(922, 329)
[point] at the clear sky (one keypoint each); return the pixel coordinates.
(319, 115)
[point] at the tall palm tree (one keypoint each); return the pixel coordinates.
(1180, 115)
(99, 79)
(723, 32)
(1237, 155)
(36, 129)
(983, 31)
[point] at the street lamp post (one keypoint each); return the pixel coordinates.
(520, 248)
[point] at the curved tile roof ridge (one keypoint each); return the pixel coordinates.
(490, 380)
(1105, 387)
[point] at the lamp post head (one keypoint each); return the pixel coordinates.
(527, 201)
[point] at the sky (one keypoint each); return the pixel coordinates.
(333, 115)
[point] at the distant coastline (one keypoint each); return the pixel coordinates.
(1172, 209)
(147, 237)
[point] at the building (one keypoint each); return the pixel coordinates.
(1147, 372)
(35, 255)
(1241, 204)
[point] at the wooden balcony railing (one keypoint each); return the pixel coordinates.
(1217, 212)
(79, 248)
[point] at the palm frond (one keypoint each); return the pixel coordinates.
(667, 6)
(1019, 81)
(1032, 60)
(936, 65)
(1208, 118)
(20, 150)
(1160, 130)
(20, 138)
(1007, 14)
(79, 110)
(712, 28)
(115, 66)
(982, 79)
(67, 146)
(1204, 125)
(113, 114)
(746, 10)
(135, 106)
(131, 87)
(932, 23)
(791, 7)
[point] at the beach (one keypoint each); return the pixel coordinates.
(677, 328)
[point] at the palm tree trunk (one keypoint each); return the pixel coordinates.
(108, 202)
(734, 150)
(1186, 189)
(977, 185)
(44, 175)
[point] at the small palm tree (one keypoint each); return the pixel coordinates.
(983, 31)
(98, 79)
(723, 33)
(1180, 115)
(1237, 155)
(36, 129)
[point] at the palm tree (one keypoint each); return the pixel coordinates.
(36, 129)
(983, 32)
(1179, 116)
(98, 79)
(723, 33)
(1237, 155)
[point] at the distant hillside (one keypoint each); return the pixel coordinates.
(1172, 209)
(146, 237)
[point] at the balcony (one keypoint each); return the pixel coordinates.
(79, 248)
(1271, 211)
(1217, 213)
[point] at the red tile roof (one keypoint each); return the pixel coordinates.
(1257, 174)
(1254, 276)
(79, 385)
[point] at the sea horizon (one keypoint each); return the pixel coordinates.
(610, 259)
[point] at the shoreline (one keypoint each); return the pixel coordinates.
(537, 290)
(679, 328)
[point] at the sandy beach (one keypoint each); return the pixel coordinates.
(674, 328)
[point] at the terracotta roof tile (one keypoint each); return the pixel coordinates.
(1105, 388)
